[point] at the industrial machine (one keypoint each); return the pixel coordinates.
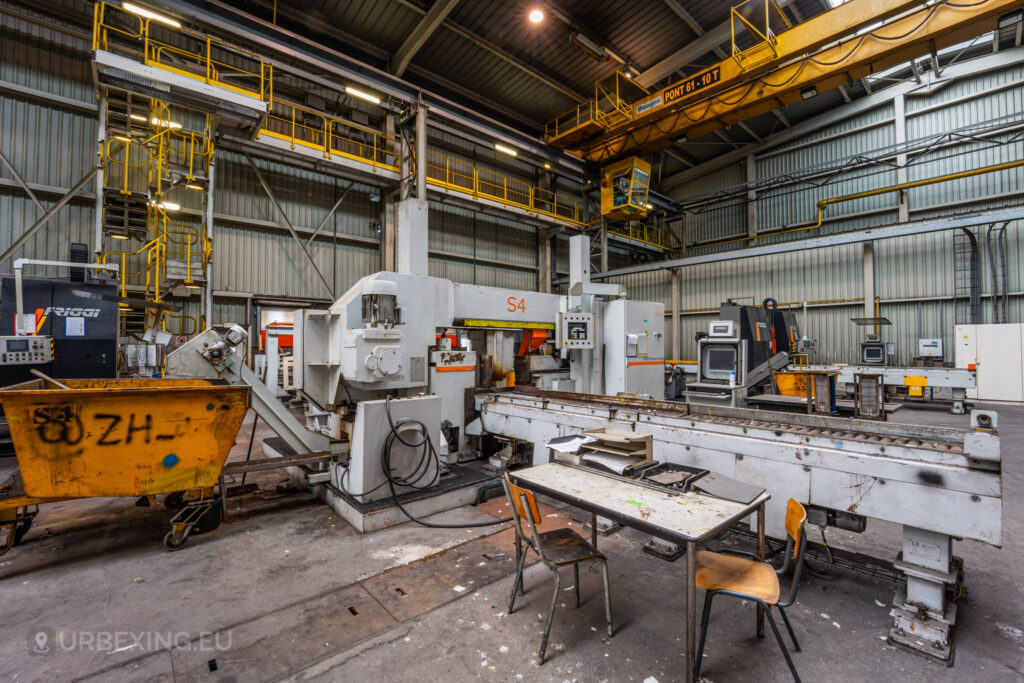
(938, 483)
(384, 384)
(72, 334)
(739, 352)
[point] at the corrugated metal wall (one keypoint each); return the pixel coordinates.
(913, 275)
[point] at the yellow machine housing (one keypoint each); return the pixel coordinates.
(624, 188)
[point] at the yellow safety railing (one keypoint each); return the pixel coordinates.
(652, 235)
(195, 55)
(327, 134)
(172, 240)
(580, 115)
(190, 152)
(454, 174)
(191, 54)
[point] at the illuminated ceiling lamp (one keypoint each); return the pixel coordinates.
(536, 15)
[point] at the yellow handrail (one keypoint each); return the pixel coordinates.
(653, 235)
(461, 176)
(199, 56)
(204, 60)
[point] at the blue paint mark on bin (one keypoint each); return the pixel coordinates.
(170, 460)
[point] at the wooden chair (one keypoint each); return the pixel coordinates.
(743, 575)
(556, 549)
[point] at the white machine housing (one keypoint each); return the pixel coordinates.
(634, 338)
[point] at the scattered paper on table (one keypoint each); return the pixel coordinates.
(571, 443)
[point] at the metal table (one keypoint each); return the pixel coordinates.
(690, 518)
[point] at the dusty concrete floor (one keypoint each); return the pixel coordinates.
(285, 590)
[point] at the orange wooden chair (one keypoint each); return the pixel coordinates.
(556, 549)
(743, 575)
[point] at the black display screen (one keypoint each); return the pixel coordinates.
(17, 345)
(719, 361)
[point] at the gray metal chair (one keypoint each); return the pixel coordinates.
(556, 549)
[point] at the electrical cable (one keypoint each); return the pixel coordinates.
(427, 457)
(822, 573)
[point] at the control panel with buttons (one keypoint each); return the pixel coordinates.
(576, 330)
(26, 350)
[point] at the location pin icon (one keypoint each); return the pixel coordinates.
(42, 638)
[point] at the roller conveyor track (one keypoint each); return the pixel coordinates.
(942, 440)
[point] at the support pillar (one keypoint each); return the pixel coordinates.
(101, 141)
(676, 314)
(900, 122)
(411, 221)
(544, 269)
(868, 255)
(751, 165)
(208, 290)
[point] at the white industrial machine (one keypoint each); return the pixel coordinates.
(385, 385)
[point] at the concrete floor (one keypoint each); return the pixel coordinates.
(285, 590)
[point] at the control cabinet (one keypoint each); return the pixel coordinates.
(576, 330)
(634, 338)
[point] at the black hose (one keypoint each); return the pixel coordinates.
(428, 456)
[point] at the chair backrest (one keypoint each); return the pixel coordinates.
(796, 516)
(529, 511)
(796, 519)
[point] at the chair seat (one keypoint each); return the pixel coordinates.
(716, 571)
(565, 546)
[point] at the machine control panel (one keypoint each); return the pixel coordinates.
(721, 328)
(576, 330)
(25, 350)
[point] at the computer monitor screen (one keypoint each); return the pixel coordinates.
(718, 361)
(872, 354)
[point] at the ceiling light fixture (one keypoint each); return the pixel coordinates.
(505, 150)
(173, 125)
(193, 186)
(362, 95)
(546, 165)
(137, 117)
(118, 236)
(536, 15)
(168, 206)
(143, 12)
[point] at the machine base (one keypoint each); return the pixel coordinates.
(455, 490)
(922, 631)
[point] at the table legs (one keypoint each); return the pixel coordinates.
(760, 555)
(691, 610)
(593, 529)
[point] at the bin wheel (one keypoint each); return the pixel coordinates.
(21, 528)
(174, 500)
(171, 544)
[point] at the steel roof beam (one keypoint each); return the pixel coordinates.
(1011, 213)
(429, 23)
(481, 42)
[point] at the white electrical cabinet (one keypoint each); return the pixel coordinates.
(634, 338)
(997, 352)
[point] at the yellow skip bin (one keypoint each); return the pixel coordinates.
(128, 437)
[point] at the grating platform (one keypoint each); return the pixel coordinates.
(454, 490)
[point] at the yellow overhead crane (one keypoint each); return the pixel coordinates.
(835, 48)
